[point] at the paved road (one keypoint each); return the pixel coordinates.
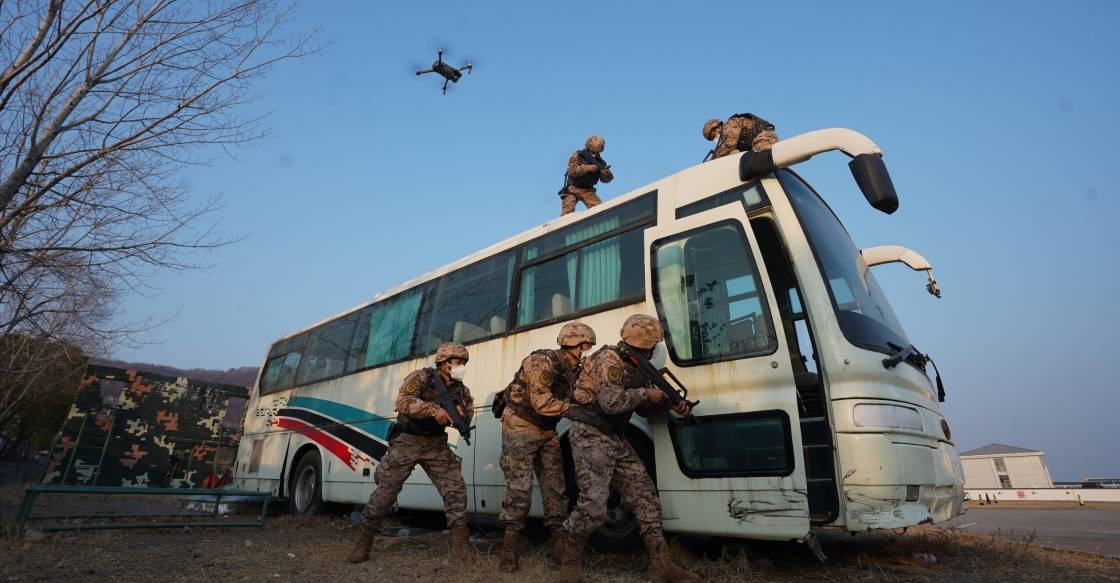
(1082, 529)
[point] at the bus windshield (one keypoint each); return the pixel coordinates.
(864, 313)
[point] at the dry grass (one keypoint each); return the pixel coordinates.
(301, 548)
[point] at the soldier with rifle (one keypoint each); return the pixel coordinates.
(533, 403)
(586, 168)
(742, 132)
(430, 399)
(611, 387)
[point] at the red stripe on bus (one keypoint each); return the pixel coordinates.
(336, 447)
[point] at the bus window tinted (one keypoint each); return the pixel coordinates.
(328, 350)
(709, 295)
(469, 304)
(752, 444)
(548, 289)
(288, 370)
(271, 376)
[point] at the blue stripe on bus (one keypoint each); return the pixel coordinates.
(370, 423)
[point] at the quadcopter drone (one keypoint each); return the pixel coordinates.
(450, 74)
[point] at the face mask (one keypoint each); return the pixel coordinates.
(660, 356)
(458, 372)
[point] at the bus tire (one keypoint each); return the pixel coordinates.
(621, 531)
(305, 485)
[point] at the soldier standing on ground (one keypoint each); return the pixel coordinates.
(741, 132)
(535, 401)
(586, 168)
(610, 388)
(423, 440)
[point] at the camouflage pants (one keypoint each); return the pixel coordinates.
(603, 461)
(526, 448)
(765, 140)
(443, 468)
(570, 197)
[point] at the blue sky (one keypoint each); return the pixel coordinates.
(998, 121)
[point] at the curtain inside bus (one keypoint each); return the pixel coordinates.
(601, 265)
(390, 328)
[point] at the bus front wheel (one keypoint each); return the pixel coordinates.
(305, 486)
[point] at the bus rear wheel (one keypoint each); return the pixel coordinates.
(305, 486)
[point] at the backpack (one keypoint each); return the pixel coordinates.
(746, 139)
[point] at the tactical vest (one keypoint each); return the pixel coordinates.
(746, 139)
(593, 415)
(561, 389)
(589, 180)
(426, 426)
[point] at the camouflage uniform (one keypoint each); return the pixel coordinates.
(589, 175)
(422, 441)
(760, 131)
(608, 391)
(537, 399)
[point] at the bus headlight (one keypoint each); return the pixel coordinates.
(876, 415)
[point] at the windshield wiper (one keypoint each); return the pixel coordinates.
(912, 354)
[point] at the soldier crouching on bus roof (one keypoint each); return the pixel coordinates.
(423, 440)
(534, 403)
(586, 168)
(610, 388)
(741, 132)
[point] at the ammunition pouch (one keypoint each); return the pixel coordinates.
(608, 424)
(528, 413)
(428, 427)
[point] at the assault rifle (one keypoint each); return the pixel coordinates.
(587, 158)
(660, 378)
(452, 405)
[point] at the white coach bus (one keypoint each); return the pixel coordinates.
(815, 409)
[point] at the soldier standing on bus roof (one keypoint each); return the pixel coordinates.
(586, 168)
(610, 388)
(423, 440)
(741, 132)
(535, 402)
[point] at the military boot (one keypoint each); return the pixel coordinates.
(508, 559)
(366, 535)
(559, 543)
(661, 568)
(460, 543)
(573, 559)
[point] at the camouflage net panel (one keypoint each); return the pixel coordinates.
(131, 428)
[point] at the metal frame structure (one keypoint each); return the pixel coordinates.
(33, 491)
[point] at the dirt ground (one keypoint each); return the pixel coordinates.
(300, 548)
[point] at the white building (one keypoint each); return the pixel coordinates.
(1004, 466)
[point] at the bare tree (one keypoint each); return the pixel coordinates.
(102, 104)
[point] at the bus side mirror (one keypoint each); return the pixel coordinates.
(874, 181)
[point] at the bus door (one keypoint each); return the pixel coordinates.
(738, 470)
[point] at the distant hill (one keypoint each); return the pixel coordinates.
(243, 376)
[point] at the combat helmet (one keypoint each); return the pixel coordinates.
(641, 331)
(574, 334)
(710, 126)
(451, 350)
(595, 139)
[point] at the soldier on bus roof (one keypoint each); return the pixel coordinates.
(741, 132)
(586, 168)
